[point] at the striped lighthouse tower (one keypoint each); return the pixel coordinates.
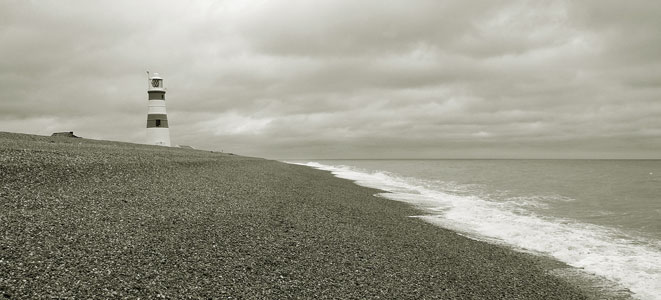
(158, 132)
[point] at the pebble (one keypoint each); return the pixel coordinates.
(100, 219)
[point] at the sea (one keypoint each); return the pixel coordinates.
(601, 217)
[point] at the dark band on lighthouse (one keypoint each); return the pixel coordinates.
(156, 95)
(157, 121)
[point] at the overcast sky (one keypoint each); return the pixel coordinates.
(343, 78)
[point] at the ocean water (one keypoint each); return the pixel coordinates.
(600, 216)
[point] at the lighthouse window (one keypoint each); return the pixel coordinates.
(158, 123)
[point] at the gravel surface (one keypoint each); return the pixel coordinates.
(83, 219)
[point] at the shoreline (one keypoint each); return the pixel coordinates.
(85, 218)
(593, 285)
(596, 286)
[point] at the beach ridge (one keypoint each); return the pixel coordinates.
(82, 218)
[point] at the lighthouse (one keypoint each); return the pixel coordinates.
(158, 132)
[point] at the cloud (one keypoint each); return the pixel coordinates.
(329, 78)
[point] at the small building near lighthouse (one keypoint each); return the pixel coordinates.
(158, 131)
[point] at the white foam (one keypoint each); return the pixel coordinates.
(632, 262)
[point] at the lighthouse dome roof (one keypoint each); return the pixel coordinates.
(156, 76)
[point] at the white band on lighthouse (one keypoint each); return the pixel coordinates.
(158, 132)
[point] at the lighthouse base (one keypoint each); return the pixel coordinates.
(158, 136)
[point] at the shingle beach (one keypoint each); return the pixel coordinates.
(86, 219)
